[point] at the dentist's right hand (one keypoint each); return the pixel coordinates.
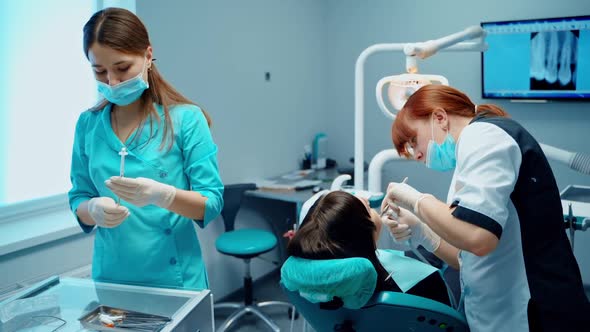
(404, 195)
(408, 226)
(106, 213)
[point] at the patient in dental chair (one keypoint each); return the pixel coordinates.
(340, 225)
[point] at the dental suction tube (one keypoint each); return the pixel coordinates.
(575, 160)
(581, 163)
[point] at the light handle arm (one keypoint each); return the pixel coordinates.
(428, 48)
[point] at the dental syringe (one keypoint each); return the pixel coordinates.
(122, 153)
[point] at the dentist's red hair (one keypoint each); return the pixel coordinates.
(425, 101)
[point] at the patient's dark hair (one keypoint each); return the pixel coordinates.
(338, 225)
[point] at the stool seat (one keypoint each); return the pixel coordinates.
(245, 242)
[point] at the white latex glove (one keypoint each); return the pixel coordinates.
(404, 195)
(106, 213)
(142, 191)
(404, 225)
(400, 233)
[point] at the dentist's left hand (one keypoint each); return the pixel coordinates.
(142, 191)
(404, 225)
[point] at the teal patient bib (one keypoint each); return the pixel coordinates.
(407, 272)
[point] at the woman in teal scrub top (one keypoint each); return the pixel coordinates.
(145, 233)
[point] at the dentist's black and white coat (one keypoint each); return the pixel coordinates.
(531, 281)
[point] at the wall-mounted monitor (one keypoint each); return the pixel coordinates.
(537, 59)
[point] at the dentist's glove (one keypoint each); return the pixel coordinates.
(406, 226)
(404, 195)
(142, 191)
(106, 213)
(400, 233)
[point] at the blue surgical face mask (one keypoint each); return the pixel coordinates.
(441, 157)
(125, 92)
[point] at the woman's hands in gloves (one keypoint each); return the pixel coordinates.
(404, 195)
(142, 191)
(106, 213)
(404, 225)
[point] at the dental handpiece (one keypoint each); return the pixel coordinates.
(122, 153)
(389, 210)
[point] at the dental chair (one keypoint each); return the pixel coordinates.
(245, 244)
(337, 295)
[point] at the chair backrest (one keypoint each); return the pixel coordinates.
(338, 295)
(385, 311)
(232, 199)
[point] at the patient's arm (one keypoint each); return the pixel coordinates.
(448, 253)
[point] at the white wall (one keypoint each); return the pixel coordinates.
(217, 53)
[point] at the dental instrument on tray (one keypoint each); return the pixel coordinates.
(105, 318)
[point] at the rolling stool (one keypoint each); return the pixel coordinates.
(244, 244)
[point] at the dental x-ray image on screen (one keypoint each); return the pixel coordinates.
(553, 60)
(547, 58)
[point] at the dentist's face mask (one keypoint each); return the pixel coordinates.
(441, 157)
(125, 92)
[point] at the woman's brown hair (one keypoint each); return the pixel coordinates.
(123, 31)
(338, 225)
(428, 99)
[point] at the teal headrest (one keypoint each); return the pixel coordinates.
(351, 279)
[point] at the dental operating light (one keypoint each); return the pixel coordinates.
(402, 86)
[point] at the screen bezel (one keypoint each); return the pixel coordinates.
(536, 98)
